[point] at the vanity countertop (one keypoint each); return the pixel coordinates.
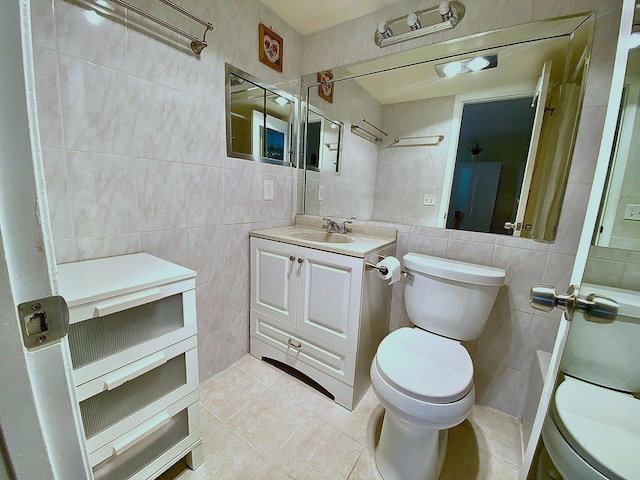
(364, 240)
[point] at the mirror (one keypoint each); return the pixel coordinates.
(403, 169)
(260, 119)
(619, 219)
(323, 142)
(600, 359)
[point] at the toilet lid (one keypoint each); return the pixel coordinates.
(601, 425)
(425, 366)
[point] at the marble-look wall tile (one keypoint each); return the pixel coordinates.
(204, 195)
(211, 301)
(108, 246)
(523, 268)
(203, 131)
(95, 108)
(171, 245)
(48, 97)
(103, 191)
(78, 29)
(43, 24)
(157, 127)
(218, 350)
(55, 170)
(66, 251)
(160, 188)
(472, 252)
(206, 252)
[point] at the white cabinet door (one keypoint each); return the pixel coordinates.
(329, 292)
(273, 279)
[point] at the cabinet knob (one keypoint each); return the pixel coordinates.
(301, 260)
(292, 258)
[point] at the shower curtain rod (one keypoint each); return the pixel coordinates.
(197, 44)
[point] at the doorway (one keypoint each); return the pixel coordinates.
(493, 146)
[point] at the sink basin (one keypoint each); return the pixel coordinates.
(322, 237)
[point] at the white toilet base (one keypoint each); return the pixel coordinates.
(409, 453)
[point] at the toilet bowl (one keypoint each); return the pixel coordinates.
(423, 376)
(593, 432)
(592, 429)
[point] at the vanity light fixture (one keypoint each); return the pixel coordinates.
(468, 65)
(416, 24)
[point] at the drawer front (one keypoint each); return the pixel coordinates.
(102, 344)
(326, 358)
(150, 447)
(109, 414)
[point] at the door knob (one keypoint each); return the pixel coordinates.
(595, 308)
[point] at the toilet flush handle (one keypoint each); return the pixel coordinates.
(595, 308)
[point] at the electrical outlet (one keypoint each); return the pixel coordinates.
(321, 193)
(632, 212)
(268, 189)
(429, 199)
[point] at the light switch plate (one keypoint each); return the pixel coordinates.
(321, 193)
(429, 199)
(268, 189)
(632, 212)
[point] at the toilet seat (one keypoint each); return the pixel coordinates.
(425, 366)
(601, 425)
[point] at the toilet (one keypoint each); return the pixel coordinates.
(423, 376)
(592, 429)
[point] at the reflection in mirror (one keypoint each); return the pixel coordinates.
(543, 65)
(619, 220)
(590, 429)
(323, 142)
(260, 119)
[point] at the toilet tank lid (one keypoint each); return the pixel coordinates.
(454, 270)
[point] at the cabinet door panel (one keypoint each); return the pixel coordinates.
(329, 301)
(273, 287)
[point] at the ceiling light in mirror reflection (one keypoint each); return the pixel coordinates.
(468, 65)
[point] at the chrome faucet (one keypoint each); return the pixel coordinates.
(336, 227)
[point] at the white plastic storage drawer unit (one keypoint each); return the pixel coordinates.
(133, 344)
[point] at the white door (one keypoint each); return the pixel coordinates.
(595, 198)
(329, 295)
(274, 269)
(540, 98)
(39, 417)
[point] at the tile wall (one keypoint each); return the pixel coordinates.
(133, 140)
(133, 135)
(613, 267)
(505, 352)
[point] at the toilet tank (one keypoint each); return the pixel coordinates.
(606, 354)
(450, 298)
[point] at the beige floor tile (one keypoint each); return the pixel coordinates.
(272, 473)
(229, 457)
(259, 369)
(469, 462)
(268, 421)
(226, 393)
(302, 394)
(493, 431)
(358, 424)
(365, 468)
(318, 451)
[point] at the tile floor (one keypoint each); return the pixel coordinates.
(259, 423)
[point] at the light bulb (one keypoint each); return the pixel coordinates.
(413, 22)
(445, 11)
(452, 69)
(478, 63)
(384, 30)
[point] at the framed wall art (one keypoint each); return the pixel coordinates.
(270, 48)
(325, 89)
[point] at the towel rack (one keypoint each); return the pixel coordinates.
(197, 44)
(422, 141)
(368, 131)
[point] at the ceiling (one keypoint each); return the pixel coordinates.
(308, 16)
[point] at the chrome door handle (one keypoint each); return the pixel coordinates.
(595, 308)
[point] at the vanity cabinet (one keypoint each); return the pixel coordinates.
(133, 348)
(320, 312)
